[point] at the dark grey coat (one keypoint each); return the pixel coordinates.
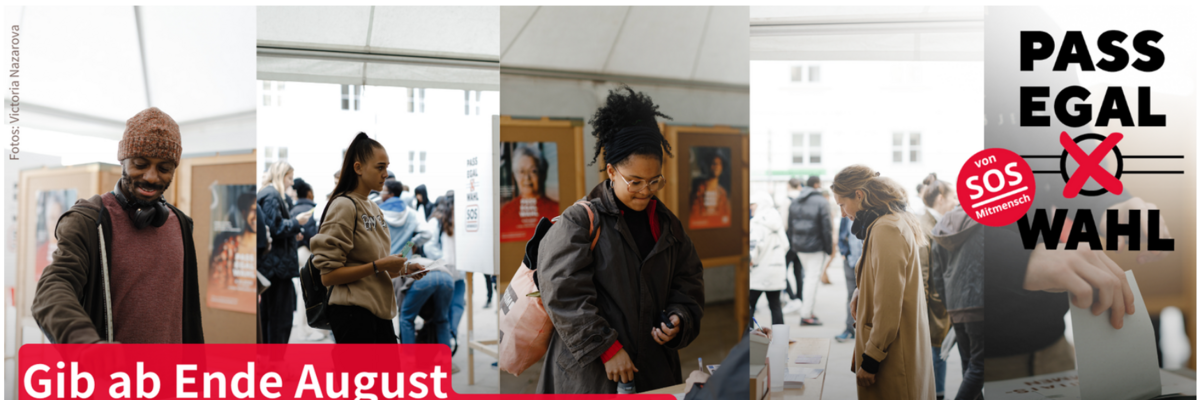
(956, 265)
(809, 227)
(279, 265)
(595, 298)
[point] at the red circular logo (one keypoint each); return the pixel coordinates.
(996, 187)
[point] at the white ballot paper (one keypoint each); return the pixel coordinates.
(808, 359)
(430, 265)
(1119, 364)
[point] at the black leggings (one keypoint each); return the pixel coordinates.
(489, 281)
(275, 311)
(354, 324)
(970, 347)
(793, 260)
(772, 301)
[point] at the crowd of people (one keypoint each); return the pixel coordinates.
(372, 244)
(908, 276)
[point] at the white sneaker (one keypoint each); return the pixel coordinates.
(793, 306)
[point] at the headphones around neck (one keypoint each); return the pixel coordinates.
(154, 215)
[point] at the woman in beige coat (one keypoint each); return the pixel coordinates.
(893, 358)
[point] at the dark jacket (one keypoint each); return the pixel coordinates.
(595, 298)
(427, 206)
(849, 245)
(281, 262)
(70, 305)
(956, 265)
(310, 229)
(729, 382)
(809, 227)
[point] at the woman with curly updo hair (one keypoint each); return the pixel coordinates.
(893, 357)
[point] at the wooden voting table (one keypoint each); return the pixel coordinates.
(677, 389)
(812, 387)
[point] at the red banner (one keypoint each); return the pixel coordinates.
(247, 371)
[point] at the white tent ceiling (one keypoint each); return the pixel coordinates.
(866, 33)
(85, 70)
(688, 46)
(432, 47)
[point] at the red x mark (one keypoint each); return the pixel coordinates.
(1089, 165)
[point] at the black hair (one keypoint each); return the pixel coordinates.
(361, 148)
(706, 166)
(626, 126)
(244, 201)
(394, 187)
(424, 194)
(446, 210)
(813, 180)
(302, 188)
(931, 187)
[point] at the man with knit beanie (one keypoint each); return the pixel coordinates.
(125, 270)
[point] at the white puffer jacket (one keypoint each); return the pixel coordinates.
(768, 246)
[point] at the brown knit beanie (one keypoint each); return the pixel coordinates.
(150, 133)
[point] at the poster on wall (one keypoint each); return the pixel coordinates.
(231, 279)
(51, 204)
(710, 187)
(528, 187)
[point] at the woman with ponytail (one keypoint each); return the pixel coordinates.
(608, 303)
(351, 250)
(893, 358)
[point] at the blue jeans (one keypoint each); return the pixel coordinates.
(939, 370)
(436, 287)
(457, 304)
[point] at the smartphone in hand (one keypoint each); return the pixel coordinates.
(666, 320)
(406, 251)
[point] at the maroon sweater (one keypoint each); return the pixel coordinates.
(146, 278)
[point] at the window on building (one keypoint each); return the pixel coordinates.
(806, 73)
(797, 148)
(906, 143)
(422, 162)
(914, 147)
(272, 155)
(411, 160)
(351, 96)
(898, 147)
(272, 93)
(416, 100)
(814, 148)
(473, 101)
(806, 146)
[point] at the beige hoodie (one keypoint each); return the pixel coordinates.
(353, 236)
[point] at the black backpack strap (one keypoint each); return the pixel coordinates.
(354, 230)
